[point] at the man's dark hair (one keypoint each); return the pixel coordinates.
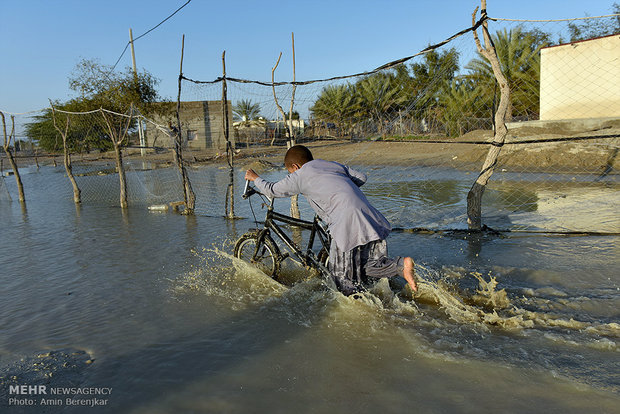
(297, 154)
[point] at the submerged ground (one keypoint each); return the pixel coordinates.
(152, 306)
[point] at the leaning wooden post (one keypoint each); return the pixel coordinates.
(287, 122)
(275, 97)
(230, 196)
(474, 197)
(9, 154)
(291, 138)
(188, 192)
(294, 199)
(117, 138)
(67, 156)
(226, 122)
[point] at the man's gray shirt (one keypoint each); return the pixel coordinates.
(332, 189)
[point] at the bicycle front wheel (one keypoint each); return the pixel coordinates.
(267, 258)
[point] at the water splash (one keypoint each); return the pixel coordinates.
(309, 301)
(220, 274)
(489, 306)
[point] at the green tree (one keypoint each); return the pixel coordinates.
(378, 96)
(42, 130)
(430, 77)
(591, 28)
(518, 52)
(85, 133)
(335, 104)
(456, 110)
(375, 101)
(97, 86)
(429, 80)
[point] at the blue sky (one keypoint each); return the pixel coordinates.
(43, 40)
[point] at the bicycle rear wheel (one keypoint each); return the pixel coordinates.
(267, 257)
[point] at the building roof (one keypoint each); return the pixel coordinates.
(580, 41)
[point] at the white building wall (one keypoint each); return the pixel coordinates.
(581, 80)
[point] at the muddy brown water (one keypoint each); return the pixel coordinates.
(152, 306)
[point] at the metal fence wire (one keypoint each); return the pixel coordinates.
(420, 127)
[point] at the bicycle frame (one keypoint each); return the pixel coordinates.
(272, 218)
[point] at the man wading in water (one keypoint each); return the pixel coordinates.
(358, 250)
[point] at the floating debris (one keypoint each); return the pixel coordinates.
(158, 207)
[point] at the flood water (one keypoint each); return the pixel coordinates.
(171, 323)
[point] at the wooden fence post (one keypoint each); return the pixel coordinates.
(474, 197)
(230, 190)
(188, 193)
(67, 156)
(9, 154)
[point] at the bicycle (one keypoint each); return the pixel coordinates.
(259, 248)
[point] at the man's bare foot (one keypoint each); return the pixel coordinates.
(409, 273)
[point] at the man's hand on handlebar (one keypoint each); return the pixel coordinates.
(250, 175)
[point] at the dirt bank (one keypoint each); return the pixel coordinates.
(526, 149)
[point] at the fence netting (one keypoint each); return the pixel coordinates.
(420, 128)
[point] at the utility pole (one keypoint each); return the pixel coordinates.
(135, 73)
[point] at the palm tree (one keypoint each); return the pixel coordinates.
(379, 98)
(335, 104)
(245, 110)
(456, 110)
(430, 76)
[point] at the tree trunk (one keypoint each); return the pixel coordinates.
(117, 142)
(188, 192)
(77, 194)
(292, 141)
(509, 110)
(288, 122)
(474, 197)
(290, 112)
(9, 154)
(18, 178)
(230, 202)
(121, 175)
(67, 156)
(230, 196)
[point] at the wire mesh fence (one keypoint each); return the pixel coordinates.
(420, 127)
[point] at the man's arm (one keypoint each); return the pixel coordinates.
(359, 178)
(286, 187)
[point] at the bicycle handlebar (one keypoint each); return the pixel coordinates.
(248, 190)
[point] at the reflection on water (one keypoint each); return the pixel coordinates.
(512, 323)
(422, 193)
(410, 197)
(567, 206)
(514, 198)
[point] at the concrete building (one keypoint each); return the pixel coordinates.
(202, 126)
(581, 80)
